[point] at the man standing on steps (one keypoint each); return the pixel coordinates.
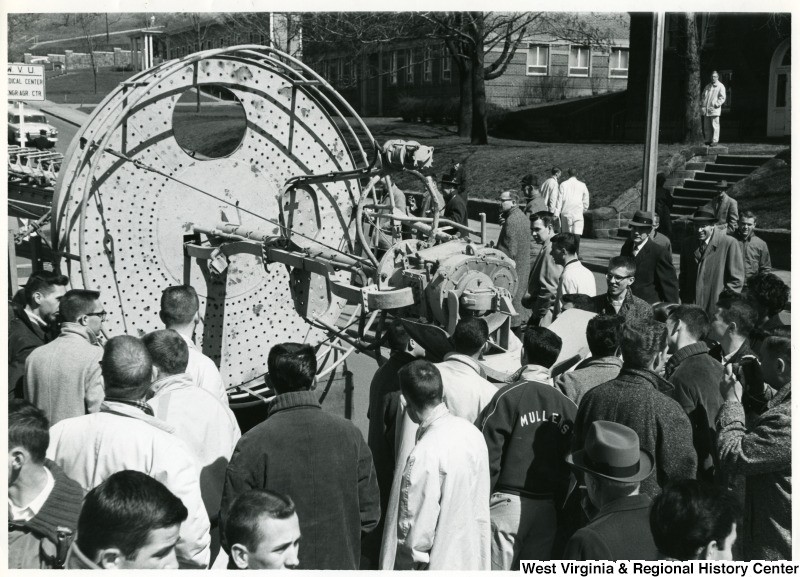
(655, 279)
(711, 107)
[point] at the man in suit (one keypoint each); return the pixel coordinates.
(614, 465)
(455, 207)
(545, 273)
(725, 208)
(655, 279)
(711, 264)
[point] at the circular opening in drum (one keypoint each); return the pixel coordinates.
(209, 123)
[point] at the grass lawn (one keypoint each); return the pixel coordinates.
(77, 87)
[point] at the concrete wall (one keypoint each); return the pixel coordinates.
(80, 60)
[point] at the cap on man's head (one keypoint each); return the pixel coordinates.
(704, 214)
(641, 219)
(508, 195)
(527, 180)
(612, 452)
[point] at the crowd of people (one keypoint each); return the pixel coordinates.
(668, 437)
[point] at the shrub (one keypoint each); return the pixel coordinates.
(409, 107)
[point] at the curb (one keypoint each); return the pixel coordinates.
(66, 117)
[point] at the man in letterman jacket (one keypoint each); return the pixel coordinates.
(528, 429)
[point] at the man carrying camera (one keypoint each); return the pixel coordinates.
(759, 448)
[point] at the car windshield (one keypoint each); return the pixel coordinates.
(14, 118)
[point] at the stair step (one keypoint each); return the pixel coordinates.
(716, 150)
(683, 174)
(699, 184)
(693, 193)
(718, 176)
(748, 159)
(730, 168)
(696, 165)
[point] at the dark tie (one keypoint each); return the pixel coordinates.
(703, 248)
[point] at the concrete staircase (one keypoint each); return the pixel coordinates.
(707, 174)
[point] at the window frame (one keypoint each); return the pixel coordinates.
(447, 66)
(427, 65)
(410, 66)
(610, 59)
(528, 66)
(393, 77)
(588, 66)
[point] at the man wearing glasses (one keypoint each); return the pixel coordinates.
(619, 300)
(63, 378)
(655, 278)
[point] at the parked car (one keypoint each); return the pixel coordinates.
(38, 132)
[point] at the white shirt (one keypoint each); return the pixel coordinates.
(576, 279)
(574, 197)
(638, 247)
(205, 373)
(32, 509)
(466, 392)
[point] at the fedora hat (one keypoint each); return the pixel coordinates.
(449, 180)
(641, 219)
(508, 195)
(703, 214)
(612, 452)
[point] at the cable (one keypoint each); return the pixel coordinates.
(143, 166)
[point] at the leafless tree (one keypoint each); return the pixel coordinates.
(88, 22)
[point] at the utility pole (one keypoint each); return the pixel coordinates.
(653, 114)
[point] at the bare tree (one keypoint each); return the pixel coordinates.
(690, 49)
(87, 22)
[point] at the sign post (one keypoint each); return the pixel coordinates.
(25, 84)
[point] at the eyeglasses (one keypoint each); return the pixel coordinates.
(610, 277)
(101, 314)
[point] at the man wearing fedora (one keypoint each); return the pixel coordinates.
(455, 207)
(725, 208)
(515, 242)
(613, 467)
(655, 279)
(711, 264)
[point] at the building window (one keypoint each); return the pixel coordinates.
(333, 70)
(427, 66)
(618, 63)
(393, 67)
(347, 72)
(538, 59)
(579, 60)
(446, 66)
(410, 67)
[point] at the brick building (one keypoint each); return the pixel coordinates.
(544, 68)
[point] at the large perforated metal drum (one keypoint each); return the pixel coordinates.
(129, 191)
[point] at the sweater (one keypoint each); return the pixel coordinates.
(33, 544)
(641, 400)
(633, 308)
(587, 375)
(63, 377)
(528, 428)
